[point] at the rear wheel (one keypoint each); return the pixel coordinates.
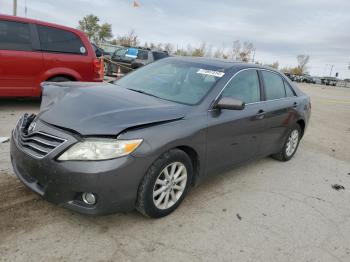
(165, 184)
(291, 144)
(59, 79)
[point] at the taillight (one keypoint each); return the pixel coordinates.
(98, 68)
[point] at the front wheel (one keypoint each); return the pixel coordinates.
(165, 184)
(291, 144)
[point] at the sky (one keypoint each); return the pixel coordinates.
(280, 30)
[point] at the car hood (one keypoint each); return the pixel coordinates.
(103, 109)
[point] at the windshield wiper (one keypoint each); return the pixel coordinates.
(143, 92)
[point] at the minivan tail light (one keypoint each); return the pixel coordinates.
(98, 68)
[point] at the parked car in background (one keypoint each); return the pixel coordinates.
(122, 60)
(317, 80)
(109, 47)
(145, 57)
(306, 79)
(137, 58)
(329, 81)
(145, 140)
(33, 51)
(100, 52)
(290, 76)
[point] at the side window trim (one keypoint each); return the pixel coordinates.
(226, 84)
(286, 85)
(263, 84)
(237, 73)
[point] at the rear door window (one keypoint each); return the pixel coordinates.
(274, 87)
(244, 86)
(15, 36)
(61, 41)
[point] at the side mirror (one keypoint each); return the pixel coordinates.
(230, 104)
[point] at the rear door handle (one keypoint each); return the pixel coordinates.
(260, 114)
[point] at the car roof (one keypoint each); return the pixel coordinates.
(38, 22)
(222, 63)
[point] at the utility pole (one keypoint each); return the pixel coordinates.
(15, 7)
(25, 8)
(330, 73)
(254, 54)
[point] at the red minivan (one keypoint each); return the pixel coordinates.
(32, 52)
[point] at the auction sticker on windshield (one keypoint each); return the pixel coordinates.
(210, 73)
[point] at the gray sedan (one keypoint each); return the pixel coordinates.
(143, 141)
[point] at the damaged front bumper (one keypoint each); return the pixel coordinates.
(34, 159)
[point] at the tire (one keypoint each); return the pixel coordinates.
(150, 192)
(285, 154)
(59, 79)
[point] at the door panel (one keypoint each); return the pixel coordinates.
(19, 65)
(18, 72)
(65, 53)
(233, 136)
(279, 114)
(278, 117)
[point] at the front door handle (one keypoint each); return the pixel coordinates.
(295, 104)
(260, 114)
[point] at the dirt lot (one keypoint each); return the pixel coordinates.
(266, 211)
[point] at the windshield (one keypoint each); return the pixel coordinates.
(174, 80)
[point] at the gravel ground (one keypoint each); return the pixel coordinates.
(265, 211)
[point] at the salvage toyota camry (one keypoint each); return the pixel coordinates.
(143, 141)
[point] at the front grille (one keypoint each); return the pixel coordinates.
(37, 144)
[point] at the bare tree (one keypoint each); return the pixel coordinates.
(181, 52)
(218, 53)
(236, 50)
(246, 51)
(169, 48)
(302, 63)
(274, 65)
(159, 46)
(200, 51)
(242, 52)
(130, 39)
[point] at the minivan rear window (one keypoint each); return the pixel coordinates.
(15, 36)
(61, 41)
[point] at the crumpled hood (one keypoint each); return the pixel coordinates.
(102, 109)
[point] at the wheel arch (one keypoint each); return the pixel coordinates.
(194, 156)
(70, 77)
(301, 123)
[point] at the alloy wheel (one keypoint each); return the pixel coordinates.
(292, 142)
(170, 185)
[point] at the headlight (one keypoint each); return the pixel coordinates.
(100, 149)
